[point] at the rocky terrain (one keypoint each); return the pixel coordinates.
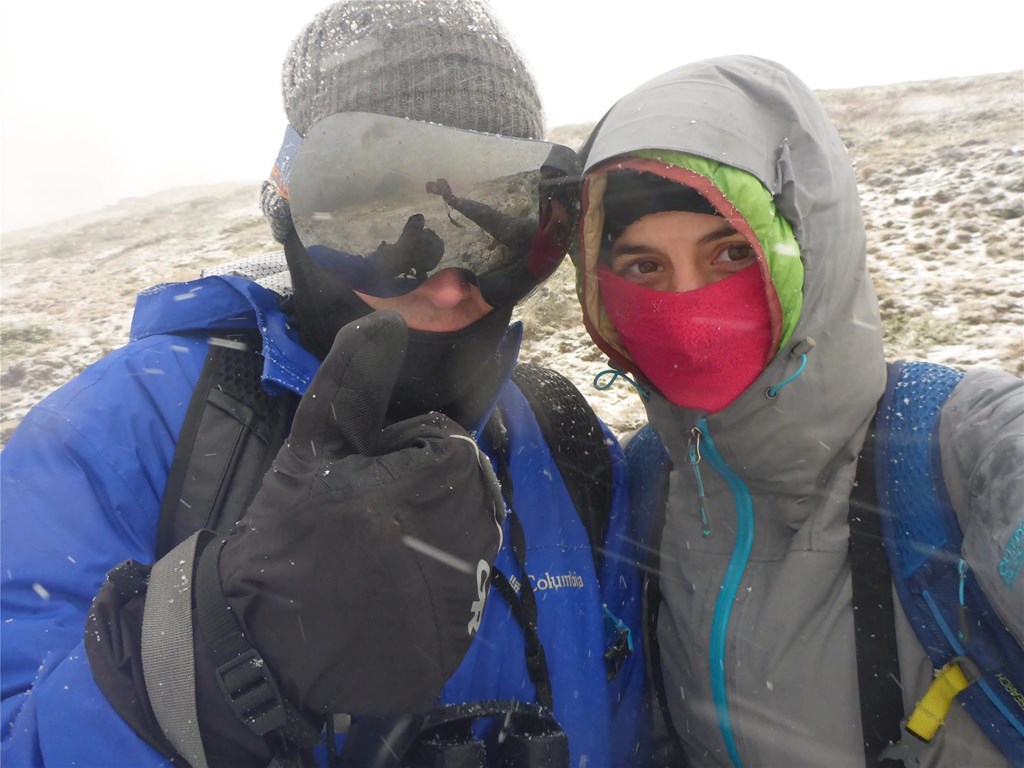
(940, 166)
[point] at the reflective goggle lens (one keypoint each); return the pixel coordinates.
(383, 203)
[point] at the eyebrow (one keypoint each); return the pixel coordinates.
(725, 231)
(718, 234)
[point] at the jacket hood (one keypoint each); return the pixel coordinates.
(750, 136)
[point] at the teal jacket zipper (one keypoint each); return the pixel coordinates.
(730, 586)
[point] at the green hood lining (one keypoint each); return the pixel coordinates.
(754, 203)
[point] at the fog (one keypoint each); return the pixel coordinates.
(111, 100)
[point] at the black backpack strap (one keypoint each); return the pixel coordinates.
(245, 680)
(383, 741)
(523, 605)
(520, 734)
(874, 619)
(231, 433)
(577, 443)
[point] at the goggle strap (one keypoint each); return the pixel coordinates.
(281, 172)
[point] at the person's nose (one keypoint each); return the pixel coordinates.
(447, 289)
(687, 274)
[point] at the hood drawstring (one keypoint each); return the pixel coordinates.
(801, 350)
(616, 374)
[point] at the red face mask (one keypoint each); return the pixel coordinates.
(700, 348)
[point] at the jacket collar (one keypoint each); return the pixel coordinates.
(230, 303)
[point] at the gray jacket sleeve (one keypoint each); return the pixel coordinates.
(982, 441)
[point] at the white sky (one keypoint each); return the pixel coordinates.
(110, 99)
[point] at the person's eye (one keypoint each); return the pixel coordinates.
(735, 254)
(636, 267)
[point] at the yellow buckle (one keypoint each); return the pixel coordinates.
(932, 709)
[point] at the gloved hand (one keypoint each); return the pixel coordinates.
(416, 251)
(440, 187)
(360, 569)
(358, 575)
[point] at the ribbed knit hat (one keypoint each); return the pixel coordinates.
(443, 61)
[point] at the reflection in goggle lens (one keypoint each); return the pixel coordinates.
(383, 203)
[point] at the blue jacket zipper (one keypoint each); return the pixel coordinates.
(730, 587)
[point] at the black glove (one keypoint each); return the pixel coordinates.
(416, 251)
(440, 187)
(360, 569)
(358, 574)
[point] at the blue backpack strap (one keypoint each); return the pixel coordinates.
(940, 595)
(649, 467)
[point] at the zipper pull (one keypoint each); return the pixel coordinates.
(964, 632)
(694, 462)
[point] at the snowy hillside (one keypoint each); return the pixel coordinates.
(940, 166)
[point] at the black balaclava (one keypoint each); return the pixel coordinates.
(447, 372)
(453, 373)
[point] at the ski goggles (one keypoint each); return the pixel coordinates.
(382, 203)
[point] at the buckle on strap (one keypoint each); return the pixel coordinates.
(242, 674)
(920, 728)
(930, 712)
(248, 685)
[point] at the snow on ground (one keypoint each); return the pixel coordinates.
(940, 166)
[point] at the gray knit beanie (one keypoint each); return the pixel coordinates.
(443, 61)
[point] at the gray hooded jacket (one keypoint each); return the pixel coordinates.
(756, 626)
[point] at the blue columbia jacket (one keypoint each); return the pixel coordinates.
(82, 482)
